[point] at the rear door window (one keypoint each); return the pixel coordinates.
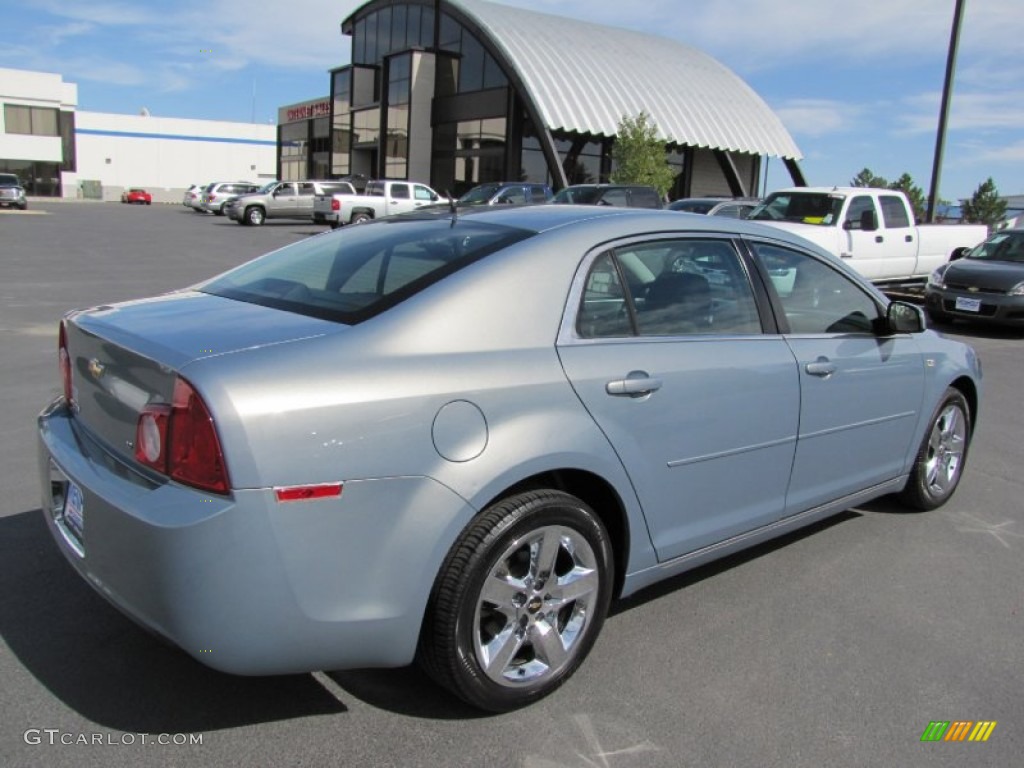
(673, 287)
(355, 274)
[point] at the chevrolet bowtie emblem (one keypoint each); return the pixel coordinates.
(973, 289)
(96, 368)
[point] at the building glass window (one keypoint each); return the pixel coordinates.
(341, 130)
(39, 179)
(471, 69)
(383, 32)
(451, 34)
(294, 138)
(427, 27)
(365, 127)
(396, 142)
(33, 121)
(320, 155)
(412, 26)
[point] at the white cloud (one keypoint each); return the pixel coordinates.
(1012, 152)
(818, 117)
(968, 112)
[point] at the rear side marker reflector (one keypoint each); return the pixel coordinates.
(308, 492)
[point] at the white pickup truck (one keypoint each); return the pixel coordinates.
(872, 229)
(381, 198)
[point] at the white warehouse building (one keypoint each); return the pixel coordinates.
(60, 152)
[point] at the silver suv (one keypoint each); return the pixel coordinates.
(11, 192)
(217, 194)
(283, 200)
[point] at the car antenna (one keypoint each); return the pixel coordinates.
(452, 207)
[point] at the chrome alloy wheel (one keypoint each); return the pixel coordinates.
(534, 606)
(946, 446)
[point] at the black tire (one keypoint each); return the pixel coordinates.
(219, 212)
(500, 630)
(360, 218)
(940, 461)
(254, 215)
(335, 224)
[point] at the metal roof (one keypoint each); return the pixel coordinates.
(585, 77)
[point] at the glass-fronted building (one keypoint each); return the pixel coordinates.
(458, 92)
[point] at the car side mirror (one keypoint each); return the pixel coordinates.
(959, 253)
(903, 317)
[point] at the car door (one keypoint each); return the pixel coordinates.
(860, 394)
(422, 195)
(877, 252)
(286, 200)
(663, 344)
(304, 200)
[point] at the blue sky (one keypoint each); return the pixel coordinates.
(857, 84)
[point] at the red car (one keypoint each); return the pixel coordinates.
(140, 196)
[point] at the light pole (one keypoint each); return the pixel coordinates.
(947, 92)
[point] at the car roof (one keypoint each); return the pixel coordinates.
(621, 222)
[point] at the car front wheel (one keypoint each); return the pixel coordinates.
(254, 216)
(940, 460)
(519, 601)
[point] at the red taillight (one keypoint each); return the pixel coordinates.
(212, 197)
(179, 440)
(335, 205)
(65, 362)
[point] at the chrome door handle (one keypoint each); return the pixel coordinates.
(822, 367)
(636, 384)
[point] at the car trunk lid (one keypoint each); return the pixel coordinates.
(127, 356)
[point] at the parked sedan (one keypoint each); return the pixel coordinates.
(618, 195)
(137, 196)
(737, 208)
(192, 195)
(458, 437)
(220, 193)
(987, 284)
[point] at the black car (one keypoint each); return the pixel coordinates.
(622, 195)
(506, 193)
(11, 192)
(987, 284)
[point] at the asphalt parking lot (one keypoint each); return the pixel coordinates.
(833, 647)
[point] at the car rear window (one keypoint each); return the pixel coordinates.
(356, 273)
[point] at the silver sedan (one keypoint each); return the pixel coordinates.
(456, 438)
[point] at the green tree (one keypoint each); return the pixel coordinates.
(985, 207)
(639, 155)
(914, 194)
(868, 179)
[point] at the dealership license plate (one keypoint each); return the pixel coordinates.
(74, 510)
(968, 305)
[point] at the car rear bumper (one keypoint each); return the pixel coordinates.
(246, 584)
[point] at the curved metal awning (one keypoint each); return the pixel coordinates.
(585, 77)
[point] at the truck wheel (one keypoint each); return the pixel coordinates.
(254, 215)
(335, 224)
(361, 218)
(519, 601)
